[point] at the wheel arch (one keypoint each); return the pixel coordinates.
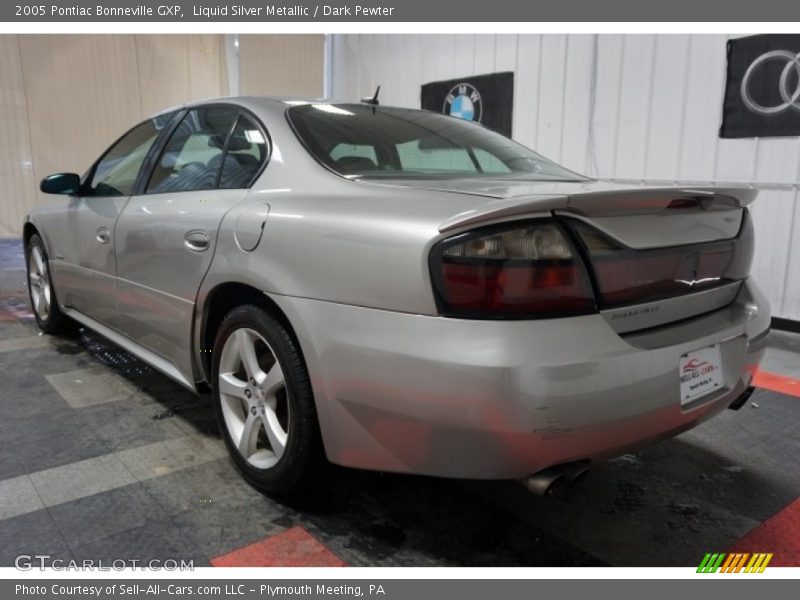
(28, 229)
(219, 301)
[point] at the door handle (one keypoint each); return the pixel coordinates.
(103, 235)
(196, 240)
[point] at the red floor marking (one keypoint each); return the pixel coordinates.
(780, 534)
(294, 547)
(777, 383)
(6, 316)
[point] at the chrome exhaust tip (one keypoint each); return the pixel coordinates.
(557, 479)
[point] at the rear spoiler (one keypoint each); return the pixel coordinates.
(631, 201)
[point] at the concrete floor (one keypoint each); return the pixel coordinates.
(102, 457)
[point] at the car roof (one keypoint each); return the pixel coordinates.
(268, 103)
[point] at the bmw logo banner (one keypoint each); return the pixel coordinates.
(485, 99)
(762, 94)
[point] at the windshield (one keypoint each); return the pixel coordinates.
(359, 140)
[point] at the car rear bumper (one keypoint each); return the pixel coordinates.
(505, 399)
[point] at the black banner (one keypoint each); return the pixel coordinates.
(762, 94)
(268, 587)
(486, 99)
(407, 11)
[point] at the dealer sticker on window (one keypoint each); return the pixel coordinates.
(700, 373)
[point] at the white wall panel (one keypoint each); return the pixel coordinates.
(702, 101)
(505, 56)
(16, 157)
(347, 67)
(634, 106)
(606, 110)
(736, 160)
(577, 107)
(484, 54)
(526, 90)
(665, 133)
(438, 57)
(653, 117)
(464, 55)
(778, 161)
(772, 218)
(551, 105)
(791, 293)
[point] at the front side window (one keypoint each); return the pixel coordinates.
(116, 172)
(192, 158)
(358, 140)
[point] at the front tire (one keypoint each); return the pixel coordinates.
(40, 289)
(264, 402)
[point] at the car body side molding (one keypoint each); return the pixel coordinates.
(140, 352)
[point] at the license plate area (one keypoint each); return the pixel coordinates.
(700, 373)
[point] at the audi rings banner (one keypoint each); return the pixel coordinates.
(486, 99)
(762, 95)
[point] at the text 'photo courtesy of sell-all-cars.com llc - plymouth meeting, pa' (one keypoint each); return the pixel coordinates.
(399, 290)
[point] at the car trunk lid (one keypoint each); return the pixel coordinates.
(656, 255)
(664, 255)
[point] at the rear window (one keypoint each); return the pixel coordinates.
(359, 140)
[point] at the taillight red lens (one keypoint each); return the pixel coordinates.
(629, 276)
(514, 271)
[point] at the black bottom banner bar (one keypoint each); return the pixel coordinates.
(733, 587)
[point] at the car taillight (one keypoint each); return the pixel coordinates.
(630, 276)
(517, 270)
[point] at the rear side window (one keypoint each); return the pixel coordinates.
(192, 158)
(245, 154)
(116, 172)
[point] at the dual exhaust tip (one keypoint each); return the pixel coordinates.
(556, 480)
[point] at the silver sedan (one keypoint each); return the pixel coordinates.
(400, 290)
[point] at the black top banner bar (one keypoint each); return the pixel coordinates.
(464, 11)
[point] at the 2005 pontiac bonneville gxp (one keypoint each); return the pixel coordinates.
(401, 290)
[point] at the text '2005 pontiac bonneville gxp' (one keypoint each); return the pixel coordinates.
(400, 290)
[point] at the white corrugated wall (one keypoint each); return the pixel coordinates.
(639, 108)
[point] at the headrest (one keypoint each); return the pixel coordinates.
(169, 159)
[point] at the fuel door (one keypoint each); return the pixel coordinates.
(250, 226)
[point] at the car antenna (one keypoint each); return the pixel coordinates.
(374, 100)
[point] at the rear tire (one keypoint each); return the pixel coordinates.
(264, 402)
(41, 291)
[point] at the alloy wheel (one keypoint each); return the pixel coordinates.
(39, 277)
(254, 398)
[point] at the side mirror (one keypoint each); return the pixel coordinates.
(61, 183)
